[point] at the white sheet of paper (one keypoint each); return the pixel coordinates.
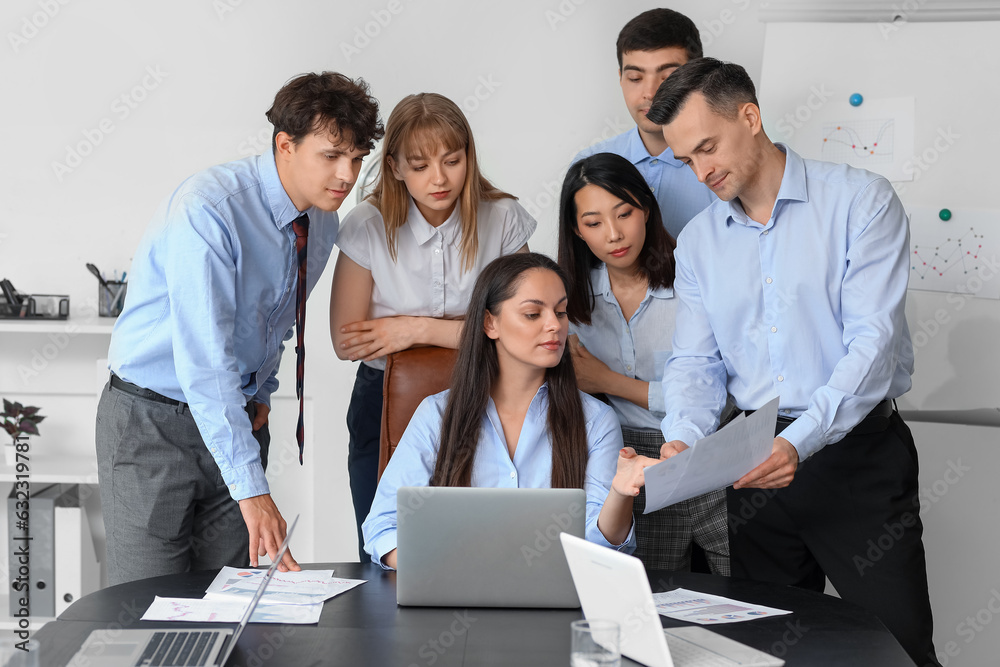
(228, 610)
(715, 461)
(704, 609)
(305, 587)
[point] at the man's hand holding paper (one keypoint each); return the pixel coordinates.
(744, 451)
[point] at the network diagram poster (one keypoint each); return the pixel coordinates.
(959, 255)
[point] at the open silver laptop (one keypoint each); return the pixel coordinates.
(480, 547)
(173, 647)
(614, 586)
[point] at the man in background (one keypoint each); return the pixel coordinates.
(650, 47)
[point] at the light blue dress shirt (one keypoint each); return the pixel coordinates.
(677, 190)
(637, 348)
(808, 307)
(211, 297)
(412, 464)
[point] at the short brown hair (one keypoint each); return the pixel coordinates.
(329, 101)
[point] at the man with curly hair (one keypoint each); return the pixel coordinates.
(217, 283)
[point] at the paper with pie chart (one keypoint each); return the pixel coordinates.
(694, 607)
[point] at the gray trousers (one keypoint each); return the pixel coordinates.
(166, 507)
(664, 537)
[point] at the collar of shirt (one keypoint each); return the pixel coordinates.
(604, 287)
(539, 402)
(283, 211)
(424, 231)
(635, 151)
(793, 188)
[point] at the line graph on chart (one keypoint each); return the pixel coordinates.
(958, 256)
(859, 142)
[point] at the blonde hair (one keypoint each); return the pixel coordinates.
(418, 124)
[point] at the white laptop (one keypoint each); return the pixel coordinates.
(614, 586)
(481, 547)
(172, 647)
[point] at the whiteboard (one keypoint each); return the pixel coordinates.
(950, 70)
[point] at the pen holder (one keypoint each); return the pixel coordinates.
(111, 299)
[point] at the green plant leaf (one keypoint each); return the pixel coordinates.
(17, 408)
(8, 407)
(28, 427)
(29, 410)
(37, 418)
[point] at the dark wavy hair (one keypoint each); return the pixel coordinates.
(726, 87)
(619, 177)
(329, 101)
(477, 369)
(659, 29)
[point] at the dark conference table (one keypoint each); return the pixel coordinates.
(364, 626)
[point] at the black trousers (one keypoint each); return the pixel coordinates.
(364, 424)
(852, 514)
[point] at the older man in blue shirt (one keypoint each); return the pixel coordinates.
(794, 285)
(216, 283)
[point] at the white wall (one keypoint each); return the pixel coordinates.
(147, 93)
(181, 85)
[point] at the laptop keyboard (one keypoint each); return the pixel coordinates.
(174, 649)
(686, 654)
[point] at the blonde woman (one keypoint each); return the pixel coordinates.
(409, 258)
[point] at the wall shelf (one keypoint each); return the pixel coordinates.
(62, 470)
(71, 325)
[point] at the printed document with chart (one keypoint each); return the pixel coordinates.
(715, 461)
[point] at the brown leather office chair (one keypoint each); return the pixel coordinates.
(410, 377)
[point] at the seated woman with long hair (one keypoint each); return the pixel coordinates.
(514, 416)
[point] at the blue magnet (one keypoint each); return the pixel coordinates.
(856, 100)
(945, 214)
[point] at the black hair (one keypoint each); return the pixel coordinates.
(726, 87)
(619, 177)
(659, 29)
(329, 101)
(477, 367)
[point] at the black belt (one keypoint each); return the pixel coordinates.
(135, 390)
(875, 421)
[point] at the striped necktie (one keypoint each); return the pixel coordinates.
(301, 228)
